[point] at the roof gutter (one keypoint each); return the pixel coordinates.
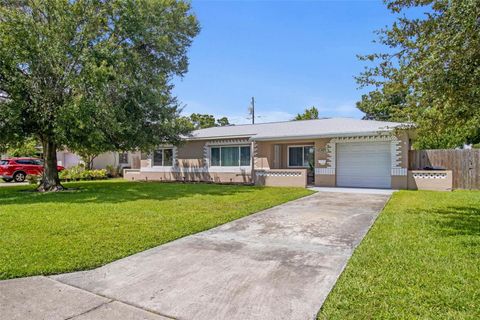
(332, 135)
(219, 137)
(252, 136)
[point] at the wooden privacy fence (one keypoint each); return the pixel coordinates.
(465, 164)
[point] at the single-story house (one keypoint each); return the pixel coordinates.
(334, 152)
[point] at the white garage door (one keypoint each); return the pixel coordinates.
(363, 165)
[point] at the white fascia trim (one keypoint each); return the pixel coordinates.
(317, 136)
(248, 136)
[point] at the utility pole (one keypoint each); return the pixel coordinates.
(252, 110)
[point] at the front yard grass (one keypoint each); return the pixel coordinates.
(107, 220)
(421, 260)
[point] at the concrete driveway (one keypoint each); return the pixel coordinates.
(280, 263)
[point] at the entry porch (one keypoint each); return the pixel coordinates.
(288, 163)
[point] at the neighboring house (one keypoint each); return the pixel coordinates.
(69, 159)
(115, 159)
(326, 152)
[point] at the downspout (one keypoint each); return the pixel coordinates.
(252, 147)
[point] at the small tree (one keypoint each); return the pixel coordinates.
(308, 114)
(88, 158)
(92, 74)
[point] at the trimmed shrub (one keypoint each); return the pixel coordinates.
(114, 172)
(79, 172)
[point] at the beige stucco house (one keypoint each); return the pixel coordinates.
(332, 152)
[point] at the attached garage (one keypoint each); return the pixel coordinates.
(363, 164)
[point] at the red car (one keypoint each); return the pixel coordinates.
(17, 169)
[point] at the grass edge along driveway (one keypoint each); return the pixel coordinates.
(420, 260)
(103, 221)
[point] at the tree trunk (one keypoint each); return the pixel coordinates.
(50, 180)
(88, 160)
(89, 163)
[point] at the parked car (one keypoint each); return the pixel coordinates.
(17, 169)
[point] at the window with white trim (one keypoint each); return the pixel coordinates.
(301, 156)
(123, 158)
(231, 156)
(162, 157)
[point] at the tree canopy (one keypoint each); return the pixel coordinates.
(430, 73)
(92, 75)
(26, 148)
(202, 121)
(308, 114)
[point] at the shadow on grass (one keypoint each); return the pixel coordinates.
(119, 191)
(457, 220)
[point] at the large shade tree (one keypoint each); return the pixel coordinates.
(92, 75)
(430, 73)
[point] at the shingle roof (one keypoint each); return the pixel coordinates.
(329, 127)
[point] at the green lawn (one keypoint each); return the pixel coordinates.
(421, 260)
(107, 220)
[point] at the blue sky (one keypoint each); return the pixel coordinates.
(288, 55)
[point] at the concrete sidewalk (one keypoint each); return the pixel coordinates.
(44, 298)
(12, 184)
(280, 263)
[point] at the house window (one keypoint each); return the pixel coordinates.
(301, 156)
(163, 157)
(230, 156)
(123, 158)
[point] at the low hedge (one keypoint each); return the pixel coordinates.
(77, 173)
